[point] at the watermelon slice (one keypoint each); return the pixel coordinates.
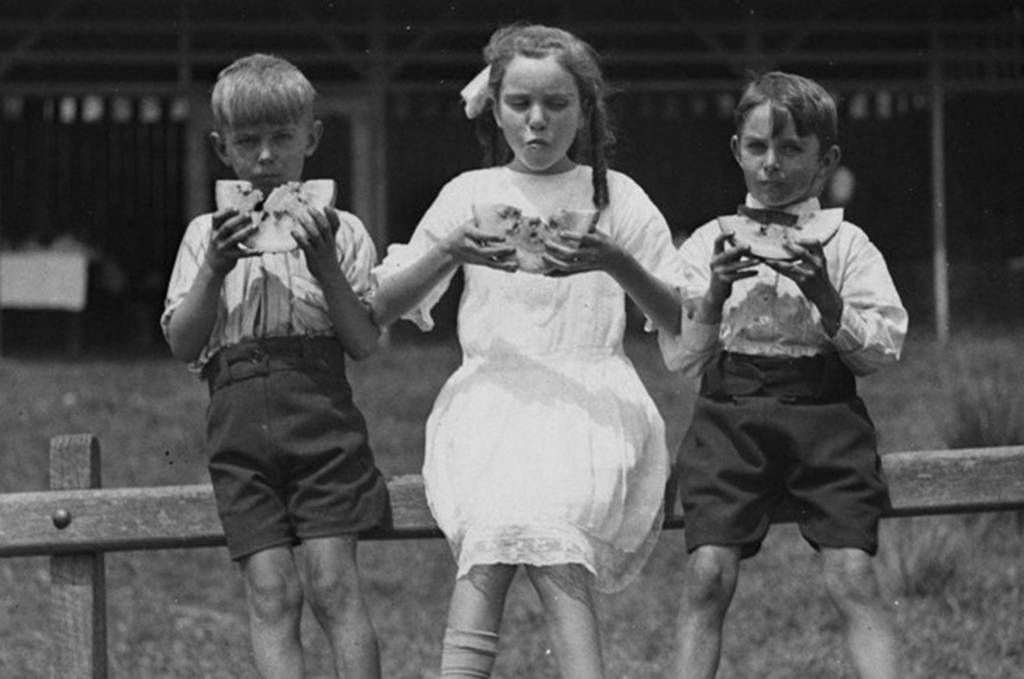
(530, 235)
(277, 214)
(766, 241)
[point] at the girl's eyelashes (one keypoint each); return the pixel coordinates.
(518, 103)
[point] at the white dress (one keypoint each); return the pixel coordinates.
(544, 447)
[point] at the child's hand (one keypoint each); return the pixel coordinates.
(470, 245)
(315, 236)
(230, 229)
(729, 263)
(810, 272)
(573, 253)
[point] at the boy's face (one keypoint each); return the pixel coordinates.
(783, 169)
(268, 154)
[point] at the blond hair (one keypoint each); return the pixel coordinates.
(261, 88)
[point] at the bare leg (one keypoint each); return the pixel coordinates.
(274, 597)
(870, 631)
(474, 619)
(711, 576)
(571, 619)
(336, 598)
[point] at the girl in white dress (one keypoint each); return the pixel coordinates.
(543, 450)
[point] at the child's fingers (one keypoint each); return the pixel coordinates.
(320, 220)
(807, 243)
(222, 216)
(496, 258)
(482, 237)
(333, 221)
(724, 238)
(561, 250)
(235, 230)
(497, 254)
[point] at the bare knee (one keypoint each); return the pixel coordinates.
(711, 576)
(332, 594)
(332, 579)
(274, 596)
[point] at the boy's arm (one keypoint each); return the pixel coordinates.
(863, 317)
(350, 318)
(873, 322)
(190, 325)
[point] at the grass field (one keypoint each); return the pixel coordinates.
(179, 614)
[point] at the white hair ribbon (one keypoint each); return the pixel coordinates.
(476, 93)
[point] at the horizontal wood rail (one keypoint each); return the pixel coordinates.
(64, 521)
(77, 522)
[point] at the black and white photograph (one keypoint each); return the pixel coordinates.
(548, 339)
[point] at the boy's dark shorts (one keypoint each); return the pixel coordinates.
(289, 457)
(759, 437)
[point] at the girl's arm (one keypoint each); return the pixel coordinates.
(408, 286)
(189, 328)
(595, 251)
(658, 301)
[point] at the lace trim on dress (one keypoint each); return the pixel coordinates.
(612, 568)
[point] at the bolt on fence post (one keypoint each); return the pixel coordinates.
(78, 601)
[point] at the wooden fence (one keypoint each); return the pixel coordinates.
(76, 522)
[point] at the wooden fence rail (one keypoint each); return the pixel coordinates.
(76, 522)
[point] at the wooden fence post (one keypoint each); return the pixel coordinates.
(77, 581)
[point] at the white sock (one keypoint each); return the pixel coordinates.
(468, 654)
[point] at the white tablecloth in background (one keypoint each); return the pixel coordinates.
(43, 280)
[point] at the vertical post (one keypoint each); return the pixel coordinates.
(379, 76)
(363, 138)
(197, 194)
(77, 581)
(940, 257)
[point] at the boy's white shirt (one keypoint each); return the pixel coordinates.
(768, 315)
(271, 295)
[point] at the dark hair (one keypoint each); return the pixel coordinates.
(261, 88)
(581, 61)
(812, 109)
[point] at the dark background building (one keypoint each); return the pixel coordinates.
(104, 117)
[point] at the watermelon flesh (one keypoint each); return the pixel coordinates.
(530, 235)
(277, 214)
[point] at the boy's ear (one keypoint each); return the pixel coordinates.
(316, 132)
(734, 146)
(830, 159)
(220, 147)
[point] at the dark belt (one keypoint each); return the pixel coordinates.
(813, 378)
(260, 357)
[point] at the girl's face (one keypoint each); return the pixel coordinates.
(268, 154)
(539, 112)
(784, 168)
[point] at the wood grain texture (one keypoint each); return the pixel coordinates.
(78, 597)
(167, 517)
